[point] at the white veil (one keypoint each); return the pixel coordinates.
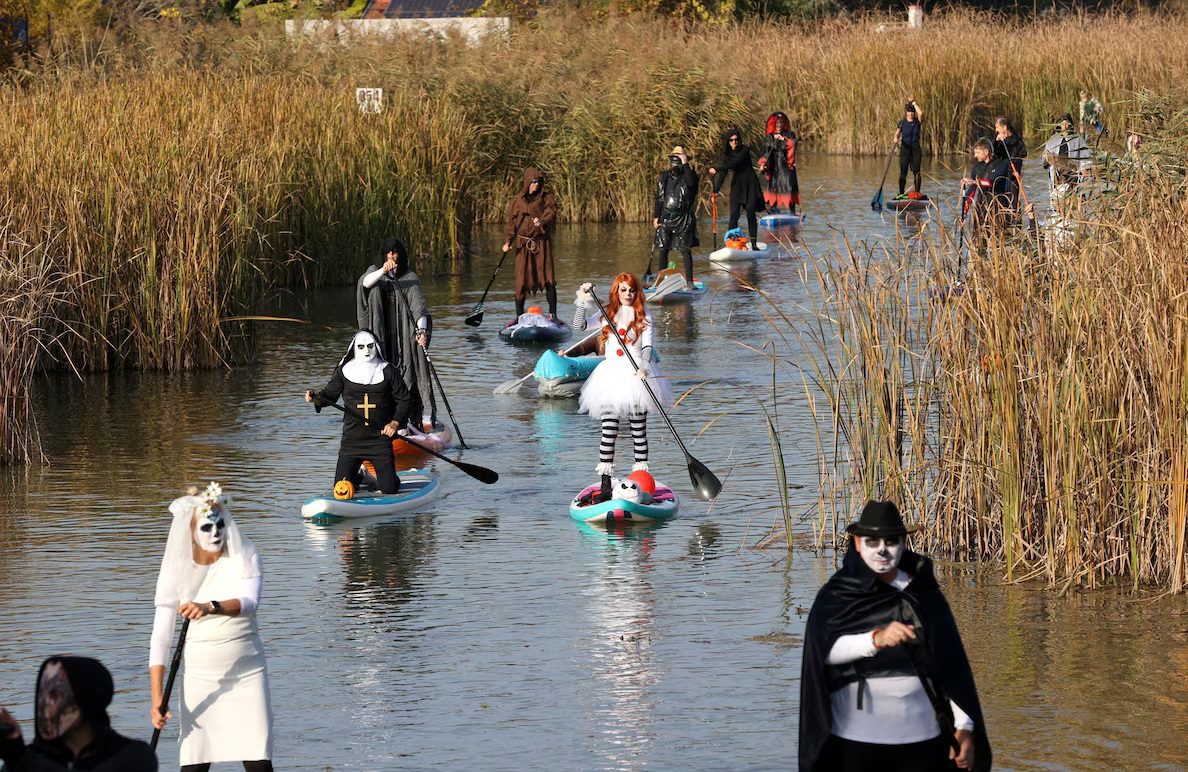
(180, 576)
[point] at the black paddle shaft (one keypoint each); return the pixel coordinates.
(436, 379)
(177, 653)
(876, 203)
(477, 313)
(480, 473)
(713, 483)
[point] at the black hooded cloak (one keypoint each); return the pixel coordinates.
(390, 309)
(745, 189)
(108, 752)
(856, 600)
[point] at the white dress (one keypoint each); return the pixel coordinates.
(613, 388)
(226, 712)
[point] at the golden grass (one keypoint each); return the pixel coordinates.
(1039, 416)
(180, 171)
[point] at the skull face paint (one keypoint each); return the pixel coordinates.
(210, 531)
(57, 709)
(881, 554)
(366, 347)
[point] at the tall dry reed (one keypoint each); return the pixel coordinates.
(1037, 415)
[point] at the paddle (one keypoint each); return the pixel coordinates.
(714, 216)
(476, 314)
(164, 707)
(670, 284)
(480, 473)
(876, 203)
(651, 253)
(437, 380)
(705, 483)
(967, 196)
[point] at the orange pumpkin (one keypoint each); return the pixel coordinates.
(344, 489)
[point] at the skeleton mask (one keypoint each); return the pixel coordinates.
(57, 709)
(366, 348)
(882, 554)
(210, 531)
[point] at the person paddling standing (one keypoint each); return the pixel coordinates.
(211, 575)
(778, 164)
(1009, 146)
(675, 211)
(530, 218)
(745, 190)
(613, 392)
(911, 153)
(885, 681)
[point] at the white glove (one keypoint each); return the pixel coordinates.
(585, 294)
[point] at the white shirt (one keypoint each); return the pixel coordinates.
(895, 709)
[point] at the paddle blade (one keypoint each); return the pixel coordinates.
(510, 387)
(670, 284)
(876, 203)
(476, 317)
(480, 473)
(706, 484)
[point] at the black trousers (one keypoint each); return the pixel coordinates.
(385, 469)
(910, 156)
(249, 766)
(752, 219)
(840, 755)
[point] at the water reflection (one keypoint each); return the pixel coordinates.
(621, 605)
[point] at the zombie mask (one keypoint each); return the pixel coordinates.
(210, 530)
(882, 554)
(57, 708)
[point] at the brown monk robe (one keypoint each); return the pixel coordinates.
(530, 217)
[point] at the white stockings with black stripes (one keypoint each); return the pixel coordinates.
(610, 433)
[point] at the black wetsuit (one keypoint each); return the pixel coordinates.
(381, 403)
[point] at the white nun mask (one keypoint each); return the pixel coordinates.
(180, 576)
(881, 554)
(364, 362)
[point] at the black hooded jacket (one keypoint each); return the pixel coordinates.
(856, 600)
(108, 752)
(745, 189)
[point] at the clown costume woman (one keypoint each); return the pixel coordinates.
(615, 390)
(211, 576)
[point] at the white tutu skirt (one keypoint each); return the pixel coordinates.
(614, 389)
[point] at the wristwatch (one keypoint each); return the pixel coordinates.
(216, 607)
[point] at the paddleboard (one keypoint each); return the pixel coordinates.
(909, 204)
(663, 506)
(436, 440)
(777, 220)
(535, 328)
(728, 254)
(679, 296)
(417, 488)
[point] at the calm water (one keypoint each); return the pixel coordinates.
(492, 632)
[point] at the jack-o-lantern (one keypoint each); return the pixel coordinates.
(344, 489)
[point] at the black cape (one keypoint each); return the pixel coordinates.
(676, 207)
(855, 600)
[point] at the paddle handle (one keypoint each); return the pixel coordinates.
(631, 359)
(173, 667)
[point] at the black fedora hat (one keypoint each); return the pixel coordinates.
(880, 518)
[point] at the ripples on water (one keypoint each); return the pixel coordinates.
(491, 631)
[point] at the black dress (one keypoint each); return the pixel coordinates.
(380, 403)
(745, 190)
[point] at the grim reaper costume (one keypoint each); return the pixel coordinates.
(392, 305)
(892, 708)
(225, 707)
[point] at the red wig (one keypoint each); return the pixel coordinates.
(778, 122)
(612, 307)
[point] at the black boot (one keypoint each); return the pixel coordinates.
(605, 493)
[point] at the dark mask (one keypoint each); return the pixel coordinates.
(674, 161)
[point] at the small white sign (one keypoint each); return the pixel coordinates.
(370, 100)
